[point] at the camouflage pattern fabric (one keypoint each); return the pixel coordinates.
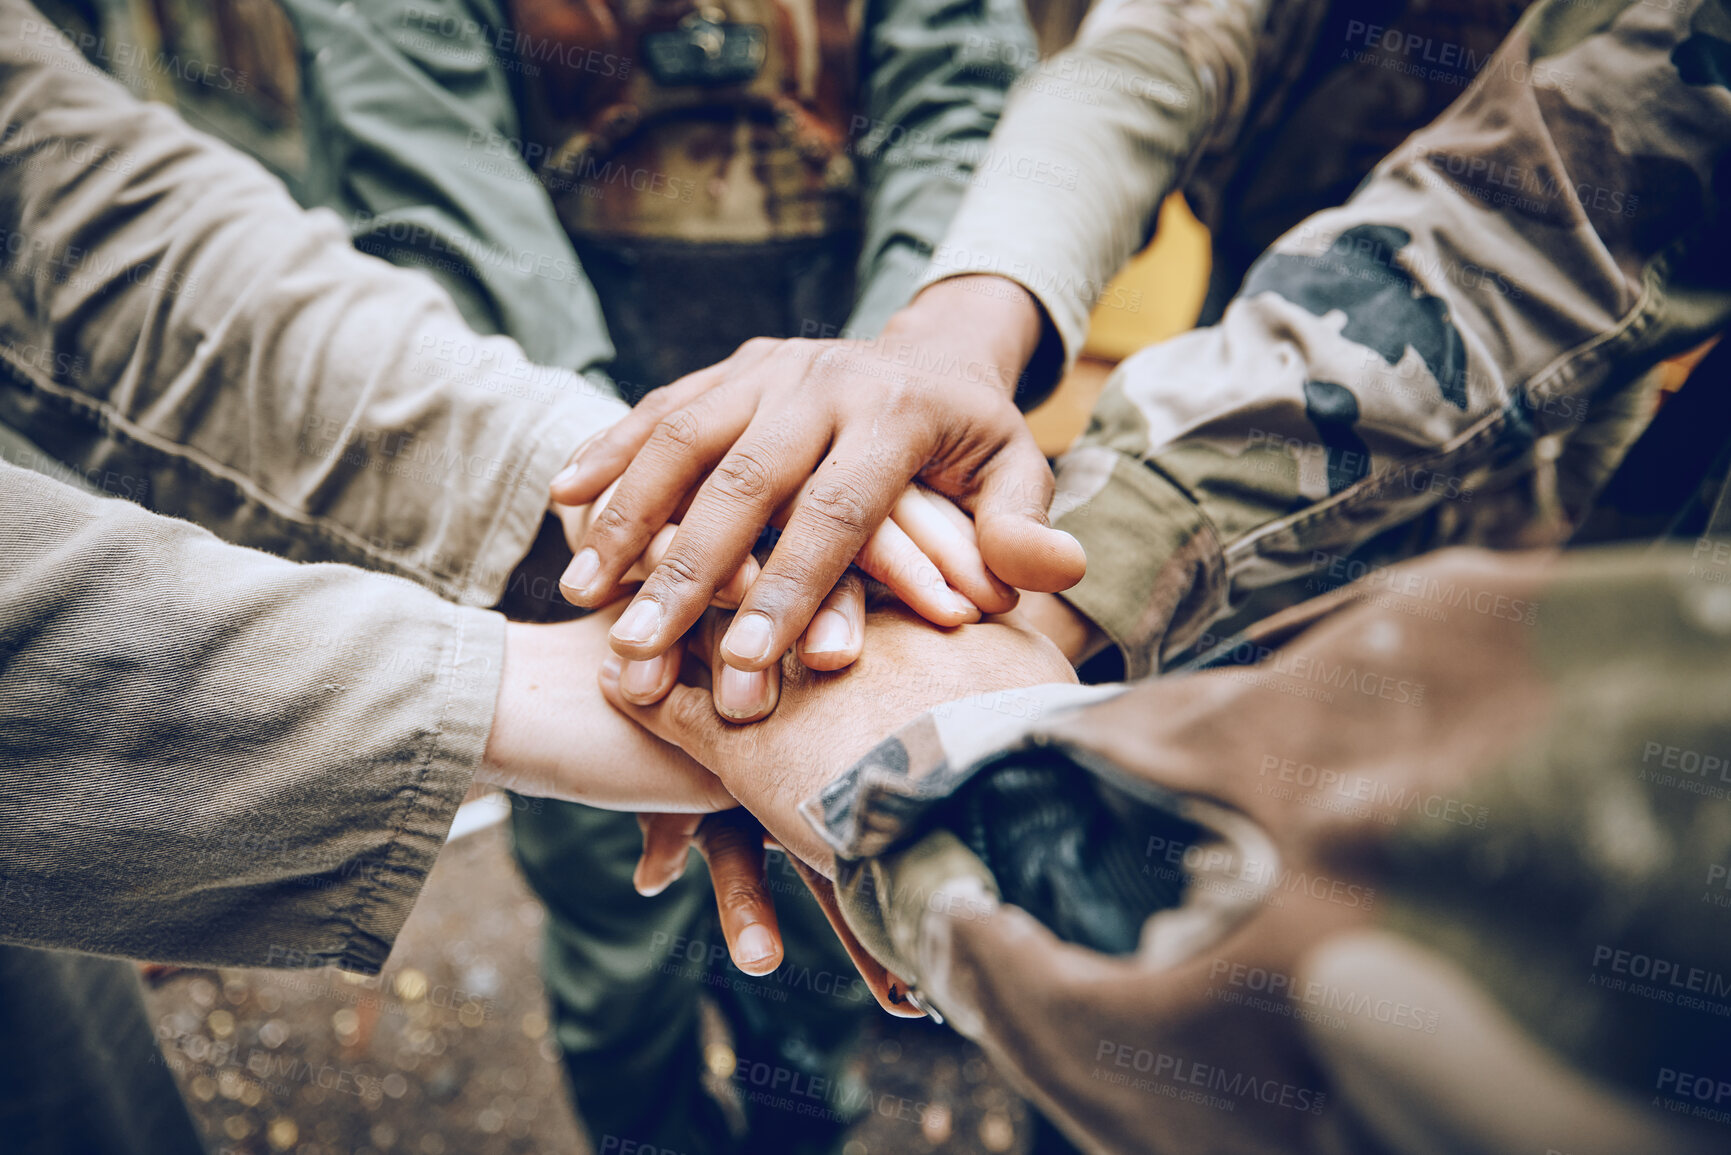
(1460, 886)
(1461, 353)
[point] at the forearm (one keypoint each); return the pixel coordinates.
(212, 756)
(239, 360)
(1091, 144)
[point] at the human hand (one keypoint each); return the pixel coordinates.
(555, 736)
(827, 721)
(901, 558)
(831, 432)
(737, 840)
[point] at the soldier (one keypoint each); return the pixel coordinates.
(1473, 808)
(709, 164)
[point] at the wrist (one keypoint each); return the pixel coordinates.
(1075, 635)
(1002, 321)
(511, 759)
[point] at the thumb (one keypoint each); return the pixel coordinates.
(1016, 541)
(685, 717)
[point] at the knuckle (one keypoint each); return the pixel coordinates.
(742, 476)
(837, 503)
(676, 574)
(691, 710)
(757, 345)
(740, 892)
(676, 432)
(610, 522)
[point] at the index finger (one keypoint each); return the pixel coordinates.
(843, 504)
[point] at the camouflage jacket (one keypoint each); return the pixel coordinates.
(1459, 354)
(1262, 112)
(1435, 864)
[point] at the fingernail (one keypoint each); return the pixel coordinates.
(649, 888)
(582, 571)
(639, 622)
(566, 476)
(642, 679)
(610, 667)
(754, 945)
(750, 638)
(961, 605)
(740, 693)
(830, 633)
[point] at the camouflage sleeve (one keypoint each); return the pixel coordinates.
(935, 79)
(1096, 137)
(1424, 357)
(413, 139)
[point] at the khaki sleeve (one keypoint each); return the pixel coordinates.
(212, 756)
(172, 322)
(1096, 137)
(1416, 368)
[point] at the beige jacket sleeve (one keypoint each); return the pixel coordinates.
(210, 755)
(177, 329)
(1095, 138)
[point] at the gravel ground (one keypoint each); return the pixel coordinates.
(449, 1051)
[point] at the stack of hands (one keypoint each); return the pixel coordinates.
(727, 683)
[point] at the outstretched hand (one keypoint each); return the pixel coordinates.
(828, 433)
(554, 736)
(827, 721)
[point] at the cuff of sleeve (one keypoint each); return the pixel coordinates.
(880, 799)
(469, 672)
(1155, 565)
(884, 800)
(591, 408)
